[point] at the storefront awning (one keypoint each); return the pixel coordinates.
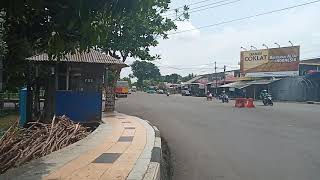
(238, 85)
(262, 82)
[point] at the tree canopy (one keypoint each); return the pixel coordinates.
(144, 70)
(123, 28)
(188, 77)
(131, 34)
(172, 78)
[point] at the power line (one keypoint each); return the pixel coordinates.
(196, 9)
(247, 17)
(231, 2)
(203, 9)
(199, 2)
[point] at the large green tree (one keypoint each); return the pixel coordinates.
(144, 70)
(55, 27)
(188, 77)
(131, 34)
(172, 78)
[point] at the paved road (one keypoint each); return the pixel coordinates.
(215, 141)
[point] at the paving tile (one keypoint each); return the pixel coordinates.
(125, 139)
(128, 132)
(107, 158)
(156, 154)
(91, 171)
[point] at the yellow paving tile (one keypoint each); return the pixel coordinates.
(91, 171)
(119, 147)
(83, 168)
(128, 132)
(117, 172)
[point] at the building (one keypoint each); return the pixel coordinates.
(75, 83)
(309, 65)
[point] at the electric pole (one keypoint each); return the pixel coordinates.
(224, 74)
(216, 76)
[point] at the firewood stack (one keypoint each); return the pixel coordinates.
(20, 145)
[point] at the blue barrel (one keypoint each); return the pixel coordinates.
(23, 107)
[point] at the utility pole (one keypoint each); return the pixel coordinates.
(216, 76)
(224, 74)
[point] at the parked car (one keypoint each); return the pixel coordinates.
(151, 91)
(133, 88)
(160, 91)
(185, 93)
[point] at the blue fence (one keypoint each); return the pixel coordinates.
(79, 106)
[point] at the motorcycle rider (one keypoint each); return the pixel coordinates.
(266, 98)
(209, 96)
(224, 97)
(264, 94)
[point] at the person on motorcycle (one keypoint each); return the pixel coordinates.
(264, 94)
(209, 95)
(224, 97)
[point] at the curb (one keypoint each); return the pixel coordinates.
(147, 167)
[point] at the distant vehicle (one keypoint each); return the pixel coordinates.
(133, 88)
(122, 89)
(151, 90)
(160, 91)
(225, 98)
(185, 93)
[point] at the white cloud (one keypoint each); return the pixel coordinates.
(223, 44)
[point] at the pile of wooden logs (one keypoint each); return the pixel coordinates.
(20, 145)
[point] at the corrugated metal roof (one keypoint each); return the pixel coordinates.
(192, 80)
(92, 56)
(315, 62)
(238, 85)
(262, 81)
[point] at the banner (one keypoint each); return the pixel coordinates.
(270, 62)
(251, 59)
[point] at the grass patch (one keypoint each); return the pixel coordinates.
(7, 118)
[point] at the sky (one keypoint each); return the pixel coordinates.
(196, 51)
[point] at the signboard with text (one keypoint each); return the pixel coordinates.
(270, 62)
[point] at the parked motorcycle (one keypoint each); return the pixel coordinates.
(267, 101)
(225, 98)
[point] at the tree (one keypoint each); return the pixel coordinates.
(3, 49)
(172, 78)
(132, 33)
(144, 70)
(54, 27)
(188, 77)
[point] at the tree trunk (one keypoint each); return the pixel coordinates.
(49, 98)
(110, 94)
(109, 105)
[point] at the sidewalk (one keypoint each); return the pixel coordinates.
(127, 149)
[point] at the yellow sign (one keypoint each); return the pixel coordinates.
(270, 60)
(251, 59)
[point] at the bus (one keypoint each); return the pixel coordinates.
(122, 89)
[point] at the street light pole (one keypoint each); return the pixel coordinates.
(224, 74)
(291, 43)
(215, 72)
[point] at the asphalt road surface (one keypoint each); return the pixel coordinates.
(215, 141)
